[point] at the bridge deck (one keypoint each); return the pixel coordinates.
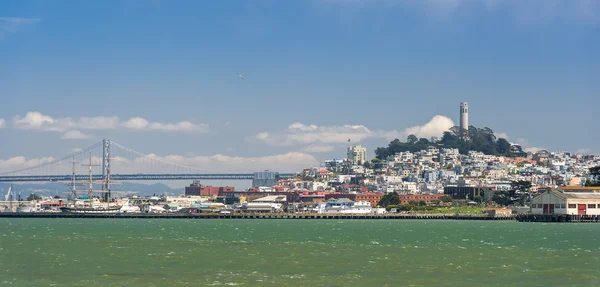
(136, 177)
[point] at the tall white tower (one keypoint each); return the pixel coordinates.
(464, 117)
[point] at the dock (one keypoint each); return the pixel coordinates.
(557, 218)
(256, 216)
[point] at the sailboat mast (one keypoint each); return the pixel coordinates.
(10, 197)
(91, 186)
(73, 180)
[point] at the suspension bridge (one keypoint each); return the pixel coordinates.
(108, 160)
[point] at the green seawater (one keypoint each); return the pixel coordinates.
(177, 252)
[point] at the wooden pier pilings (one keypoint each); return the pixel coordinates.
(557, 218)
(257, 216)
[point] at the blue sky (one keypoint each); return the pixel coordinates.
(161, 76)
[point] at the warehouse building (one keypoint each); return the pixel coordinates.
(557, 201)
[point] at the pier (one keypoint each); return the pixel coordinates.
(557, 218)
(255, 216)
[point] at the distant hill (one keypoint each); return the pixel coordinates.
(55, 188)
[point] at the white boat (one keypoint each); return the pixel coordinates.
(126, 208)
(27, 209)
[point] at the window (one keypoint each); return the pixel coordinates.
(540, 205)
(557, 205)
(591, 206)
(562, 206)
(572, 205)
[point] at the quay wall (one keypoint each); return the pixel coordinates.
(256, 216)
(557, 218)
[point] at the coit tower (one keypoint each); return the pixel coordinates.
(464, 117)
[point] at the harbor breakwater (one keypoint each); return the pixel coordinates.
(255, 216)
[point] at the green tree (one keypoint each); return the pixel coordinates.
(504, 197)
(520, 192)
(594, 173)
(446, 198)
(412, 202)
(422, 203)
(423, 141)
(502, 146)
(411, 139)
(482, 140)
(33, 196)
(391, 198)
(404, 207)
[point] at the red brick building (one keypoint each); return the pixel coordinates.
(206, 190)
(372, 197)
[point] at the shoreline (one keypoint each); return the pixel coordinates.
(543, 218)
(257, 216)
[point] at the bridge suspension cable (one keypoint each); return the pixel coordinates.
(187, 169)
(49, 164)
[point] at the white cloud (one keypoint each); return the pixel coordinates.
(284, 163)
(33, 120)
(301, 134)
(38, 121)
(180, 126)
(434, 128)
(520, 141)
(75, 135)
(20, 162)
(2, 123)
(10, 25)
(319, 148)
(136, 123)
(501, 135)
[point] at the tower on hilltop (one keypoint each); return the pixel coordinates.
(464, 118)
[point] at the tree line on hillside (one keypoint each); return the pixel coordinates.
(482, 140)
(595, 174)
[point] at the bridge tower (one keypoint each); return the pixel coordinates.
(106, 167)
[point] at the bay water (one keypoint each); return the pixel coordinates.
(223, 252)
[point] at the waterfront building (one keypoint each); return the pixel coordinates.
(558, 201)
(372, 197)
(264, 178)
(345, 205)
(201, 190)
